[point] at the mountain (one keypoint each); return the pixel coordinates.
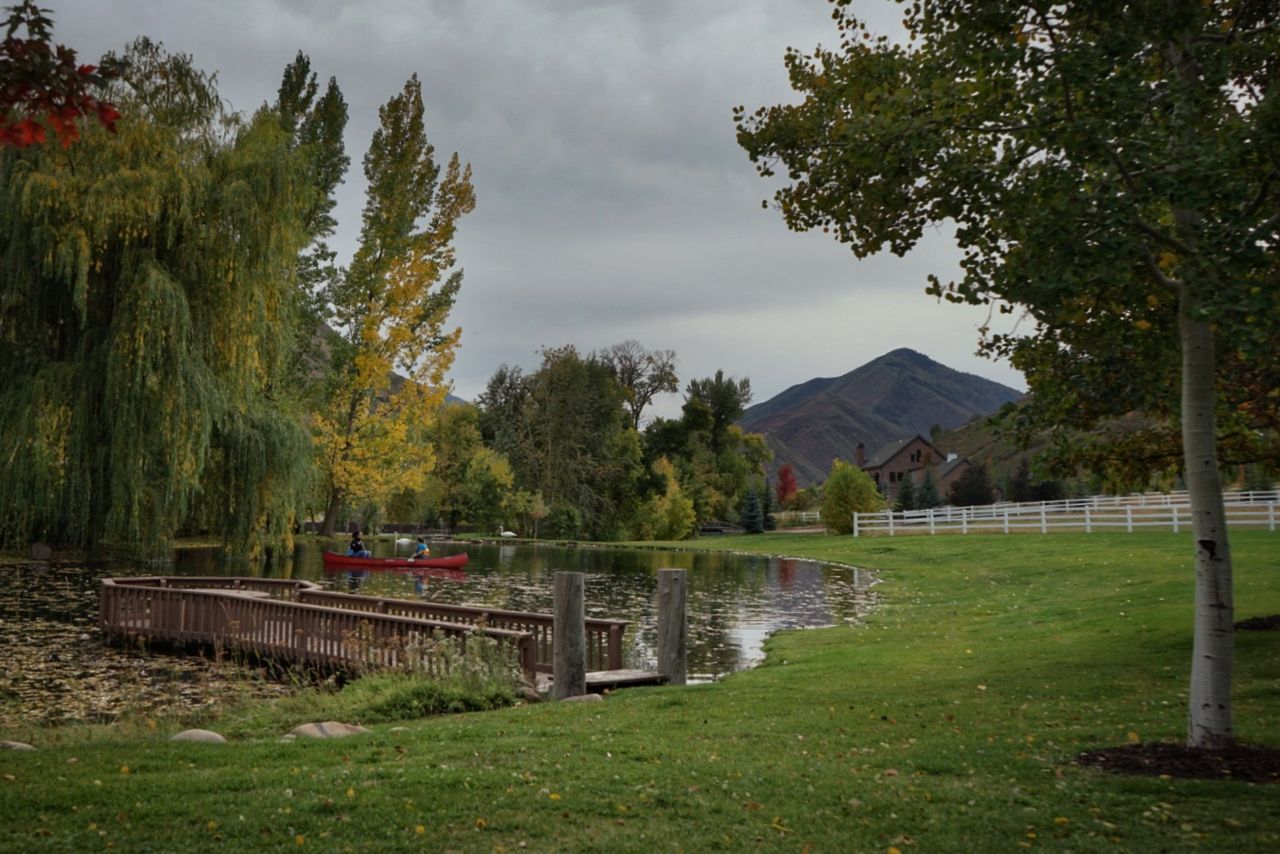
(897, 395)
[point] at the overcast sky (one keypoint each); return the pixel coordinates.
(612, 199)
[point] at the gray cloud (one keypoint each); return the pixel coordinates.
(613, 201)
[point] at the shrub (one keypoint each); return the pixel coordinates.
(848, 490)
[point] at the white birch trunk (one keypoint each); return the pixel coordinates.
(1209, 722)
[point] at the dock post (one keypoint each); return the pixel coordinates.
(569, 638)
(673, 645)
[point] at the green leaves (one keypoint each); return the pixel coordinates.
(1061, 144)
(144, 294)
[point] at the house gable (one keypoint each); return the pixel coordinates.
(896, 461)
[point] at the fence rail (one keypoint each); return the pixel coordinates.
(301, 622)
(604, 636)
(1257, 509)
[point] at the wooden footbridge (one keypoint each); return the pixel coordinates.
(302, 623)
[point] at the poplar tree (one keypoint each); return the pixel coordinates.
(392, 305)
(144, 285)
(315, 122)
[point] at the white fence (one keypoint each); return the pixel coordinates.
(1167, 511)
(797, 518)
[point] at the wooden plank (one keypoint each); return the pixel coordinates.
(599, 680)
(607, 680)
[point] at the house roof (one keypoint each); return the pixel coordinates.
(951, 465)
(889, 451)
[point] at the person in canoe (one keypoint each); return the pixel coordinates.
(356, 548)
(421, 550)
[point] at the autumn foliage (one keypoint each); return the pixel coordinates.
(42, 86)
(785, 489)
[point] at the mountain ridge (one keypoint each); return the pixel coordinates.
(899, 394)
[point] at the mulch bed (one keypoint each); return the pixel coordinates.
(1260, 624)
(1165, 759)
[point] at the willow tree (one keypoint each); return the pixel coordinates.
(388, 371)
(1110, 170)
(143, 279)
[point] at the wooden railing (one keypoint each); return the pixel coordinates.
(269, 617)
(604, 636)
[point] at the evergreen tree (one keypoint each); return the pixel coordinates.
(752, 517)
(927, 496)
(907, 499)
(766, 507)
(1020, 488)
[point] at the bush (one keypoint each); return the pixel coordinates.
(848, 490)
(563, 523)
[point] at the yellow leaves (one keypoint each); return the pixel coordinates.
(555, 796)
(124, 769)
(481, 824)
(351, 793)
(1133, 738)
(299, 840)
(1144, 325)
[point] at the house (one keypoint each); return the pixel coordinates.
(911, 458)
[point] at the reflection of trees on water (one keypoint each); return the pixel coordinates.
(734, 600)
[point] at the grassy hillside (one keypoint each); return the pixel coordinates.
(948, 722)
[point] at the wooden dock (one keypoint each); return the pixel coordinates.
(301, 623)
(609, 680)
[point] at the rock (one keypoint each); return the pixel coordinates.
(529, 695)
(199, 735)
(41, 551)
(15, 745)
(399, 729)
(327, 729)
(289, 737)
(584, 698)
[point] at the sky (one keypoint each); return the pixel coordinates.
(613, 201)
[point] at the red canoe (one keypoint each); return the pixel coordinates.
(449, 562)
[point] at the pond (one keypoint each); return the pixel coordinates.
(59, 668)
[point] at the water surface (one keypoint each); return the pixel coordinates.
(60, 668)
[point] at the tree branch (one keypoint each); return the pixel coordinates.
(1163, 280)
(1256, 203)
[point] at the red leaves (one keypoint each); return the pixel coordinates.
(22, 134)
(43, 87)
(108, 116)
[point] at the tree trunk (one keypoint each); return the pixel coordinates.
(331, 513)
(1209, 722)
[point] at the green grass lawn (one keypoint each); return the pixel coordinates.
(947, 723)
